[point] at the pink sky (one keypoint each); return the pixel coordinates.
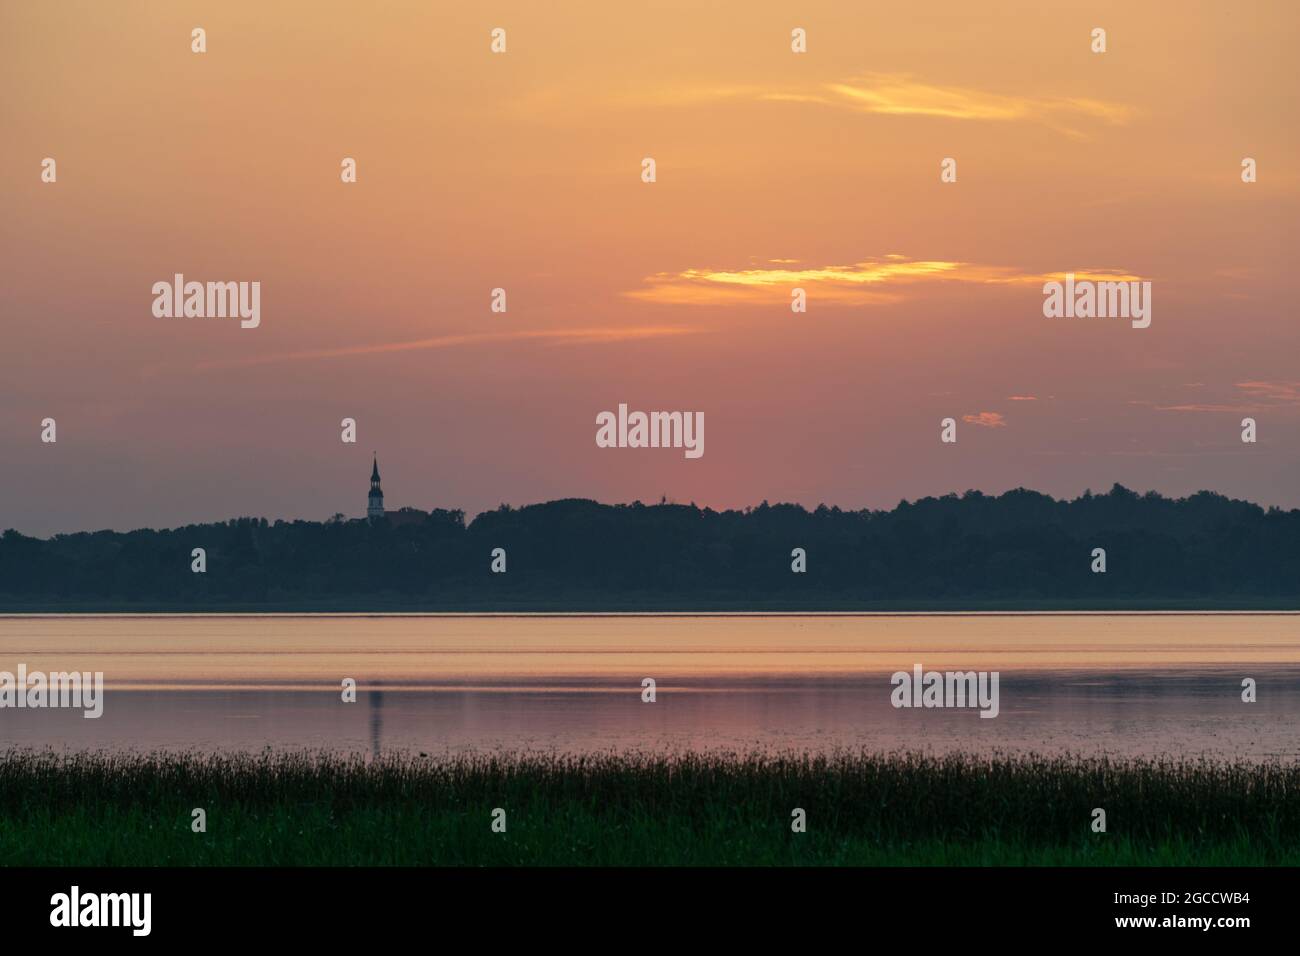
(521, 170)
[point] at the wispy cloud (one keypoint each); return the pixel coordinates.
(1282, 393)
(897, 94)
(1022, 398)
(580, 336)
(901, 94)
(870, 281)
(986, 420)
(1253, 396)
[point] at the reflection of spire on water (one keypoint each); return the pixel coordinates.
(376, 697)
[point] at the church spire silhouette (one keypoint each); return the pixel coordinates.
(375, 504)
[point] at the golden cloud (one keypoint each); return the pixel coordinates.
(858, 283)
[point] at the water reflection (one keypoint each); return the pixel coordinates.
(1153, 685)
(376, 699)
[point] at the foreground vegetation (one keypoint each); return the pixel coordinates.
(641, 809)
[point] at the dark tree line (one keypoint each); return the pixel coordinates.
(1019, 549)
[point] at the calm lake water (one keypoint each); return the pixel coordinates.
(1126, 684)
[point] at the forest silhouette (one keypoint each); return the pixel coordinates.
(1018, 550)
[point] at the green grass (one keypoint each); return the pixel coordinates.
(725, 809)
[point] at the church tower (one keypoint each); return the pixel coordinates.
(375, 507)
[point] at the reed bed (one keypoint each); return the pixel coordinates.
(715, 808)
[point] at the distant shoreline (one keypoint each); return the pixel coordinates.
(1021, 551)
(683, 609)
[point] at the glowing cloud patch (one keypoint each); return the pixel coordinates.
(986, 420)
(860, 283)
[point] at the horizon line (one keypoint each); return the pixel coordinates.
(1087, 494)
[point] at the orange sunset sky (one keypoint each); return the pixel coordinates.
(522, 170)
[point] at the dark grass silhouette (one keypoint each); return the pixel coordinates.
(719, 808)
